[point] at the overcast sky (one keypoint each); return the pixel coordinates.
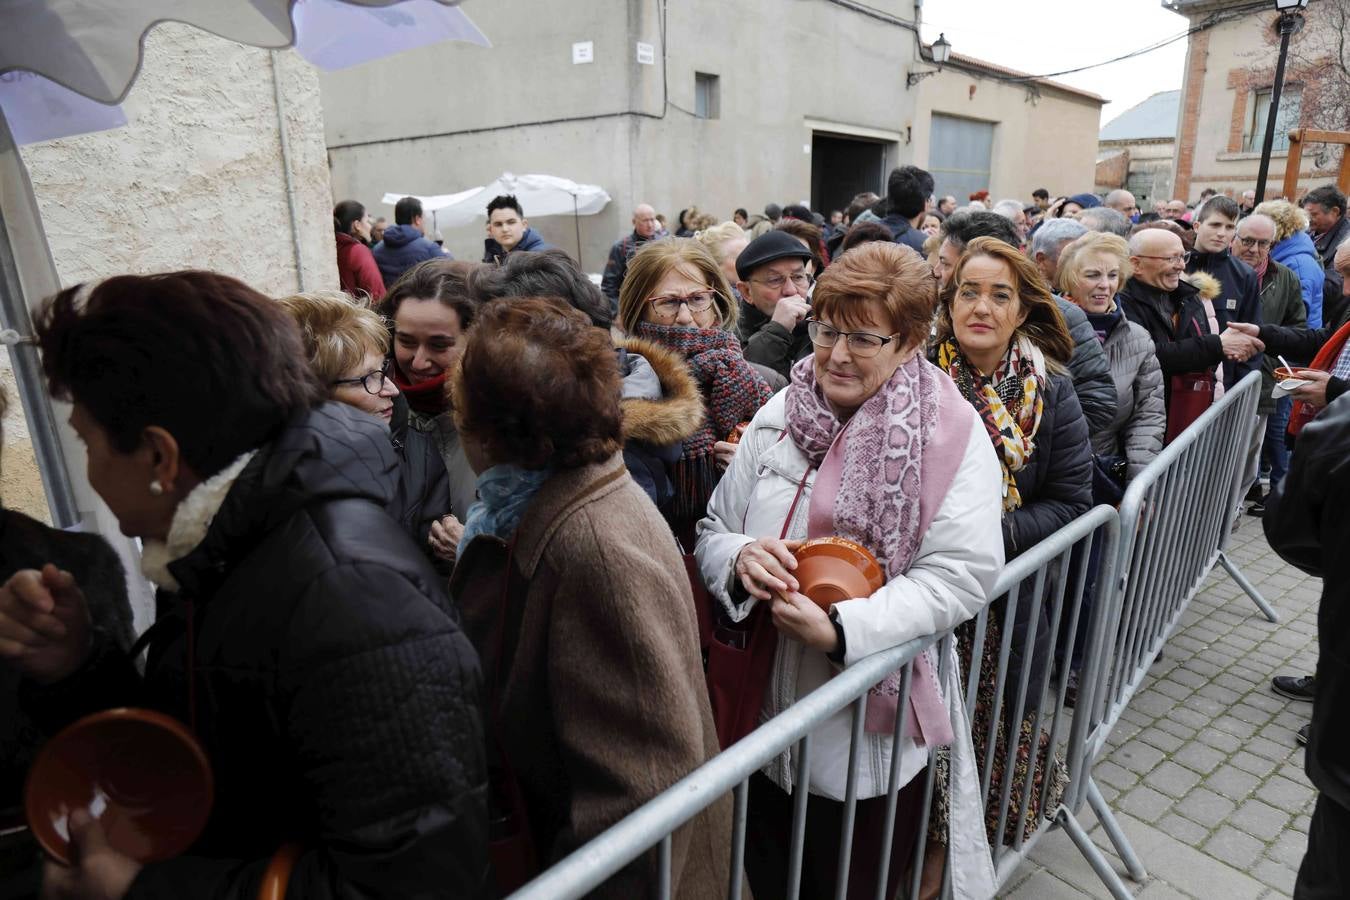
(1043, 36)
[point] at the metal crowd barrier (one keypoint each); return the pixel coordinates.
(1048, 585)
(1176, 519)
(1098, 599)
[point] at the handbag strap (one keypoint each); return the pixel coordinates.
(1213, 329)
(792, 510)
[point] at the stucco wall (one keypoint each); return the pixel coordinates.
(195, 179)
(1047, 141)
(474, 104)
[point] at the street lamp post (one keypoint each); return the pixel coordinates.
(942, 51)
(1290, 20)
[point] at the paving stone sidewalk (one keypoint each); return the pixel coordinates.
(1203, 770)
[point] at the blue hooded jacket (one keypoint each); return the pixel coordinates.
(402, 248)
(1298, 253)
(530, 242)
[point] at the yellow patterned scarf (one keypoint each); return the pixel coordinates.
(1010, 403)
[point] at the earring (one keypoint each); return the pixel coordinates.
(156, 489)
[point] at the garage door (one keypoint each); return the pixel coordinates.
(959, 155)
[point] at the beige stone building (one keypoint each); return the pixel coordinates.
(1230, 65)
(979, 126)
(717, 104)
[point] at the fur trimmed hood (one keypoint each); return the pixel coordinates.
(678, 414)
(1207, 285)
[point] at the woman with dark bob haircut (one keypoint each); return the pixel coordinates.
(576, 596)
(300, 633)
(868, 442)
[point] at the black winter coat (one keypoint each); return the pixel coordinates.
(769, 344)
(337, 698)
(1089, 368)
(1184, 348)
(1300, 345)
(423, 494)
(1240, 301)
(1056, 482)
(26, 543)
(1306, 524)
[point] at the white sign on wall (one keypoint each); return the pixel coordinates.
(646, 54)
(583, 52)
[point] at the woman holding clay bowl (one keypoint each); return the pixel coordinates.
(807, 467)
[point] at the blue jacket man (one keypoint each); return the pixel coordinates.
(404, 244)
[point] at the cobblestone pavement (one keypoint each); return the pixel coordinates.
(1203, 770)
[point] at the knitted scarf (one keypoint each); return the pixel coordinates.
(732, 393)
(877, 499)
(1010, 403)
(427, 397)
(877, 504)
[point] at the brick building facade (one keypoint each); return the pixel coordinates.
(1225, 98)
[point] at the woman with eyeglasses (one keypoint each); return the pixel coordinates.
(872, 443)
(676, 297)
(346, 345)
(431, 307)
(299, 634)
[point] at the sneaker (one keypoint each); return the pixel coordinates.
(1257, 509)
(1295, 687)
(1302, 734)
(1254, 493)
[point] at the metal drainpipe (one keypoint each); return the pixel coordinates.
(286, 169)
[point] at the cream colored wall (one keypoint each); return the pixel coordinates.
(1051, 143)
(1236, 44)
(195, 179)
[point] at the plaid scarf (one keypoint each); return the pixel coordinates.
(1010, 403)
(732, 393)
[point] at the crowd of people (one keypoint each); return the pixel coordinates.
(448, 560)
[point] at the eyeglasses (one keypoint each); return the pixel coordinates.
(800, 279)
(373, 382)
(1250, 242)
(1171, 260)
(697, 303)
(860, 343)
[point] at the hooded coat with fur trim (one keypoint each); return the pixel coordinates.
(1184, 344)
(662, 407)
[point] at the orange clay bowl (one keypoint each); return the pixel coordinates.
(141, 773)
(834, 569)
(1284, 373)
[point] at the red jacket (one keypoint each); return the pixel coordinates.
(357, 272)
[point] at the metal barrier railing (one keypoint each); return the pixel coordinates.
(1175, 518)
(1047, 586)
(1112, 585)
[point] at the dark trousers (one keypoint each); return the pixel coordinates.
(1325, 873)
(769, 836)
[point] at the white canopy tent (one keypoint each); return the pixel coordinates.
(92, 49)
(539, 195)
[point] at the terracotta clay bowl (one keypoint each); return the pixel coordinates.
(1284, 373)
(142, 774)
(834, 569)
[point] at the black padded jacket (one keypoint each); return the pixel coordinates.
(335, 694)
(1305, 523)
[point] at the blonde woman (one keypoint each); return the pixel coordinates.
(1295, 250)
(1091, 271)
(676, 296)
(346, 345)
(725, 242)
